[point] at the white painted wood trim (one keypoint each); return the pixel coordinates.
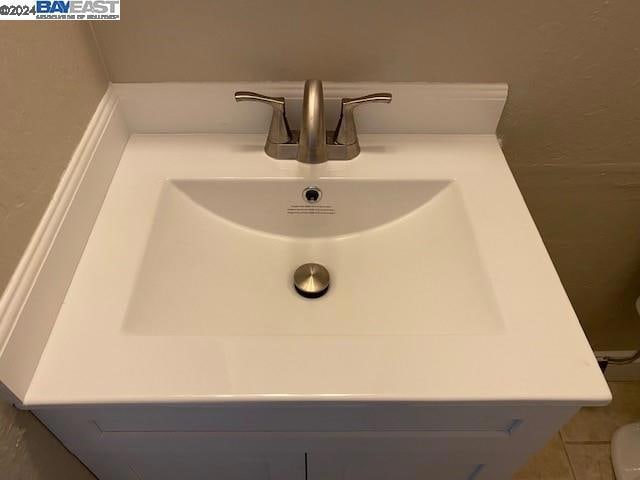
(36, 251)
(30, 302)
(211, 108)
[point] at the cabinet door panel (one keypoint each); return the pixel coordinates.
(202, 465)
(388, 466)
(203, 456)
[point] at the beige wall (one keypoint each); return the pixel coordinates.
(571, 129)
(51, 80)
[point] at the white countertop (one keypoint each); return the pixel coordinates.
(540, 355)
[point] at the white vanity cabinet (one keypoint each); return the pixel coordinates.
(329, 441)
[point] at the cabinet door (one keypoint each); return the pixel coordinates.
(203, 465)
(388, 466)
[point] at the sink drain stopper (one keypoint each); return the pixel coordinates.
(311, 280)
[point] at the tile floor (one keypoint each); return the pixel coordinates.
(581, 451)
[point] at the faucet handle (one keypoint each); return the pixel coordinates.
(279, 131)
(345, 133)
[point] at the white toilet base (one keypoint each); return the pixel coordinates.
(625, 452)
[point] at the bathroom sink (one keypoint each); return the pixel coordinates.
(194, 297)
(440, 287)
(220, 257)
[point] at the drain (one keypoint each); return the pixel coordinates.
(311, 280)
(312, 194)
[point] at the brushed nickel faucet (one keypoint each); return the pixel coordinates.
(312, 143)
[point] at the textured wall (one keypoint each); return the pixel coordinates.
(51, 81)
(571, 129)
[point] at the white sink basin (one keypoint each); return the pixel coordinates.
(221, 255)
(440, 286)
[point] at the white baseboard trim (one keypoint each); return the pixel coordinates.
(31, 300)
(620, 373)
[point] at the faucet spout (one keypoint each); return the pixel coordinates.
(312, 146)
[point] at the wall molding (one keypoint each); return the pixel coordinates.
(32, 298)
